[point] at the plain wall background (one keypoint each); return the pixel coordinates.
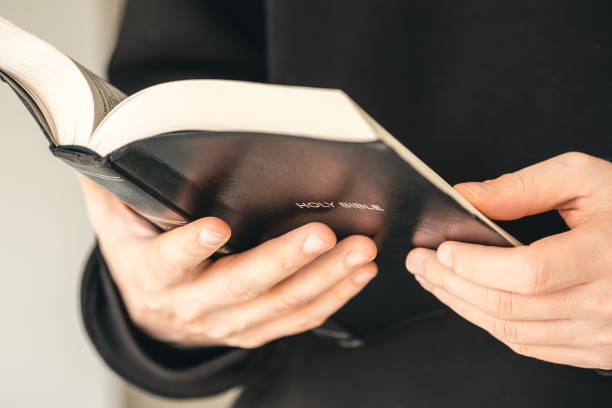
(45, 358)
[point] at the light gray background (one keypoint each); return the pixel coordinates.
(45, 358)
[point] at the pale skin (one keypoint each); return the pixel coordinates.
(172, 291)
(551, 300)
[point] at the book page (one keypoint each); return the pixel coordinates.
(105, 96)
(30, 104)
(52, 82)
(223, 105)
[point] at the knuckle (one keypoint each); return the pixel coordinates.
(282, 304)
(509, 331)
(521, 181)
(187, 313)
(540, 278)
(238, 289)
(286, 256)
(500, 304)
(536, 276)
(506, 331)
(220, 332)
(309, 322)
(288, 262)
(576, 159)
(522, 349)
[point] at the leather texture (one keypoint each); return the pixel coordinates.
(264, 185)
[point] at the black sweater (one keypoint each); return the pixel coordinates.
(475, 88)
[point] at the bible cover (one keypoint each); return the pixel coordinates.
(264, 185)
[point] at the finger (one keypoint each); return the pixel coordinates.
(572, 356)
(305, 285)
(559, 261)
(175, 254)
(109, 217)
(94, 194)
(244, 276)
(497, 303)
(568, 181)
(309, 316)
(549, 332)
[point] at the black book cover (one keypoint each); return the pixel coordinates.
(264, 185)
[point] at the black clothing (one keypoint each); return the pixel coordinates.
(474, 88)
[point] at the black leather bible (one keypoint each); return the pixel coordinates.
(264, 158)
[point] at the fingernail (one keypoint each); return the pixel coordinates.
(426, 285)
(444, 255)
(313, 245)
(363, 277)
(209, 238)
(414, 264)
(476, 188)
(355, 258)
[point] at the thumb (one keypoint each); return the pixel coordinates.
(175, 254)
(564, 182)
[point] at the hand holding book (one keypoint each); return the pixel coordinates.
(176, 293)
(264, 158)
(289, 169)
(550, 300)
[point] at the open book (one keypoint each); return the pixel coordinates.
(265, 158)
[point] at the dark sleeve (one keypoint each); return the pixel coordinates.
(161, 41)
(149, 364)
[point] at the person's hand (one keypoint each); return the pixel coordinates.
(176, 294)
(551, 300)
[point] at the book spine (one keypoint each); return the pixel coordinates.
(99, 170)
